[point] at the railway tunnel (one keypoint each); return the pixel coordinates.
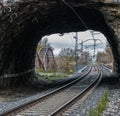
(23, 27)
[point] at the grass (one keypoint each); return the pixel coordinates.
(37, 70)
(51, 75)
(102, 105)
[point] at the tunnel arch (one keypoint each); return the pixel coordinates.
(21, 33)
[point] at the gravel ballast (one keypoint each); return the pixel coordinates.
(107, 84)
(110, 84)
(22, 97)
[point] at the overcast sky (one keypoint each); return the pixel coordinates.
(67, 41)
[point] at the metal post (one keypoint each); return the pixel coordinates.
(81, 47)
(76, 51)
(92, 33)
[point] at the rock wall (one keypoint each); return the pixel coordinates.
(111, 12)
(23, 27)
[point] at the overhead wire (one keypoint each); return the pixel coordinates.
(79, 17)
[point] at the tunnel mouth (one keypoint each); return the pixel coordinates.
(58, 55)
(20, 36)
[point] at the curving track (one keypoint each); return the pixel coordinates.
(57, 101)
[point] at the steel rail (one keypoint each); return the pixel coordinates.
(67, 105)
(22, 107)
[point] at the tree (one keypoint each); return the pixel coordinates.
(66, 60)
(105, 57)
(66, 52)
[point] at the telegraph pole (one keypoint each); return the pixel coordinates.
(92, 33)
(76, 51)
(93, 36)
(81, 46)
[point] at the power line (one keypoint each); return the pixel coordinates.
(83, 22)
(79, 17)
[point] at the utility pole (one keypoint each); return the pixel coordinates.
(76, 51)
(92, 33)
(81, 46)
(93, 36)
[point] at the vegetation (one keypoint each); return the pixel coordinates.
(106, 57)
(52, 76)
(102, 105)
(37, 70)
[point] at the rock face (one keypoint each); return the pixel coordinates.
(28, 21)
(111, 13)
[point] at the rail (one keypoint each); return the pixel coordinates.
(25, 106)
(79, 96)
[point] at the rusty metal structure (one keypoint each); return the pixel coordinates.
(45, 59)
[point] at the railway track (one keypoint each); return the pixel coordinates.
(54, 103)
(75, 101)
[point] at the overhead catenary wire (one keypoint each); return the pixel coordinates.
(84, 24)
(79, 17)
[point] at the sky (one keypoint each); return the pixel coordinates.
(67, 41)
